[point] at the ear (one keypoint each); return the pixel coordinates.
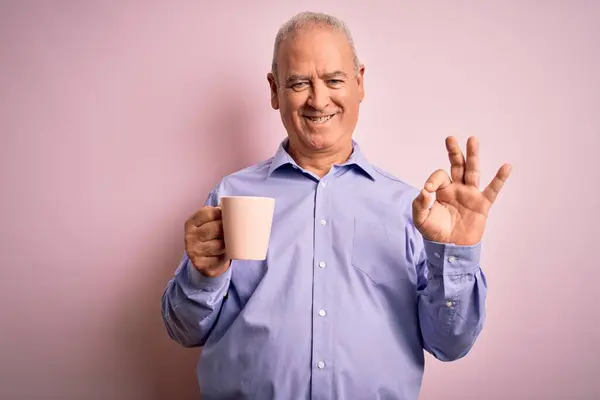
(360, 79)
(273, 88)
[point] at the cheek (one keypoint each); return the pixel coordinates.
(347, 101)
(291, 105)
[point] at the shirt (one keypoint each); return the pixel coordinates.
(346, 302)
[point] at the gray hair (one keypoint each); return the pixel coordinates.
(305, 20)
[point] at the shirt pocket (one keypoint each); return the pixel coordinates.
(379, 251)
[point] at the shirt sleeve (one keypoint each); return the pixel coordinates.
(191, 302)
(452, 292)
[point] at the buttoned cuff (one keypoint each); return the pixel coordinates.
(450, 259)
(202, 282)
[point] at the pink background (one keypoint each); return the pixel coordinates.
(117, 117)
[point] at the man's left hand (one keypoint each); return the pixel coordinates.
(459, 212)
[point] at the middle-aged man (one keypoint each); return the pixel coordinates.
(363, 272)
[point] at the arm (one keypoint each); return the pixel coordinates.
(191, 304)
(452, 292)
(452, 301)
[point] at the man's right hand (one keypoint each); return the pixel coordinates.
(204, 243)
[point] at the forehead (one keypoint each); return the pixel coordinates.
(315, 50)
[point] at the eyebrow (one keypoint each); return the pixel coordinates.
(335, 74)
(329, 75)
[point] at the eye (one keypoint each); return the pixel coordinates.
(335, 82)
(299, 85)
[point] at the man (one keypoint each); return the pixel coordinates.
(362, 275)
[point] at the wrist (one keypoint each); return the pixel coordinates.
(215, 272)
(208, 282)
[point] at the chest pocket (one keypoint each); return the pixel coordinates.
(379, 251)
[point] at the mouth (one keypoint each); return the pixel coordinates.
(319, 120)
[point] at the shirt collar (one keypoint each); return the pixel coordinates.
(357, 158)
(281, 157)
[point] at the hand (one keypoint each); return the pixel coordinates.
(460, 210)
(204, 242)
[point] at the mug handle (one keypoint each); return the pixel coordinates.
(220, 207)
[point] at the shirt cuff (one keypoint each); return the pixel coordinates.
(450, 259)
(202, 282)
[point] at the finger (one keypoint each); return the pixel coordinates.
(438, 180)
(208, 263)
(492, 190)
(457, 159)
(208, 231)
(421, 207)
(472, 164)
(204, 215)
(211, 248)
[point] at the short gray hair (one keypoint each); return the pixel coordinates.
(308, 19)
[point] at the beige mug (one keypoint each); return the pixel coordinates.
(247, 222)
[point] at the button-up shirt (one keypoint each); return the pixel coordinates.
(346, 302)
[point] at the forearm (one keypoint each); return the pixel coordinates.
(191, 303)
(452, 304)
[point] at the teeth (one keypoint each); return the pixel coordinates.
(320, 120)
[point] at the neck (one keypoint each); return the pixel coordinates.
(319, 162)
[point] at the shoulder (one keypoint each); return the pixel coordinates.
(260, 169)
(394, 183)
(232, 183)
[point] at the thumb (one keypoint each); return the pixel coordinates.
(420, 207)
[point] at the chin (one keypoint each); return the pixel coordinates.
(321, 140)
(318, 141)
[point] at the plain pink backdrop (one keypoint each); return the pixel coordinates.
(117, 118)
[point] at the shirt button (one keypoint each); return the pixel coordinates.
(322, 264)
(322, 313)
(449, 304)
(323, 222)
(451, 259)
(323, 184)
(436, 254)
(321, 364)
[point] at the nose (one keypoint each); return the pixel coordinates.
(319, 96)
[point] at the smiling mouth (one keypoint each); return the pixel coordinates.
(320, 120)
